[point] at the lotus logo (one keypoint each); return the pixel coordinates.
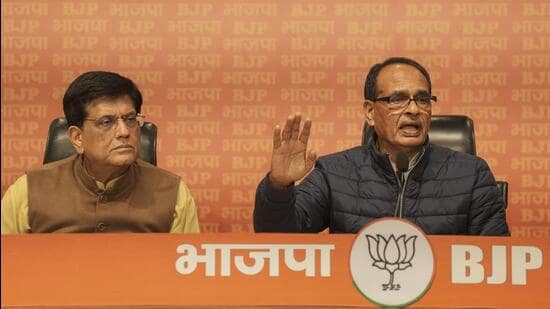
(397, 248)
(391, 254)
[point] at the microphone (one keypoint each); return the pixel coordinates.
(402, 164)
(402, 161)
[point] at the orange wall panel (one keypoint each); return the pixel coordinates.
(218, 76)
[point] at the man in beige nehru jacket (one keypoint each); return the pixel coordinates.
(104, 187)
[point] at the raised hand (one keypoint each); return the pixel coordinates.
(291, 160)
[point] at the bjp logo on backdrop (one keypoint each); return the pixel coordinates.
(391, 262)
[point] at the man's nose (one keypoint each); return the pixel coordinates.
(121, 128)
(412, 107)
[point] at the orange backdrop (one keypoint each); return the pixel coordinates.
(218, 75)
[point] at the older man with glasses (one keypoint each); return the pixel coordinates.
(400, 174)
(104, 187)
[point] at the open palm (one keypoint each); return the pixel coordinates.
(291, 160)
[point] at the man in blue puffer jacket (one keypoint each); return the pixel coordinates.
(441, 190)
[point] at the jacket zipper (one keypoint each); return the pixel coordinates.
(401, 195)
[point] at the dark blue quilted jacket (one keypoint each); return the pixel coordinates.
(447, 192)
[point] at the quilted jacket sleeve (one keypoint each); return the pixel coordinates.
(487, 212)
(301, 209)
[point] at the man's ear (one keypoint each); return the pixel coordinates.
(75, 136)
(368, 109)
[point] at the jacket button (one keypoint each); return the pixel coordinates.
(101, 226)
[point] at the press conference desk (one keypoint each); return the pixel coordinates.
(148, 270)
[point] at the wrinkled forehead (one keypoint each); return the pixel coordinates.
(401, 77)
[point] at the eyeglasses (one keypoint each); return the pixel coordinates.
(401, 101)
(110, 122)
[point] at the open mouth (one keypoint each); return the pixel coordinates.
(410, 128)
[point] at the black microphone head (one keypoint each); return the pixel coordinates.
(401, 161)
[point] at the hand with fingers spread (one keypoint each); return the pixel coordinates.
(291, 160)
